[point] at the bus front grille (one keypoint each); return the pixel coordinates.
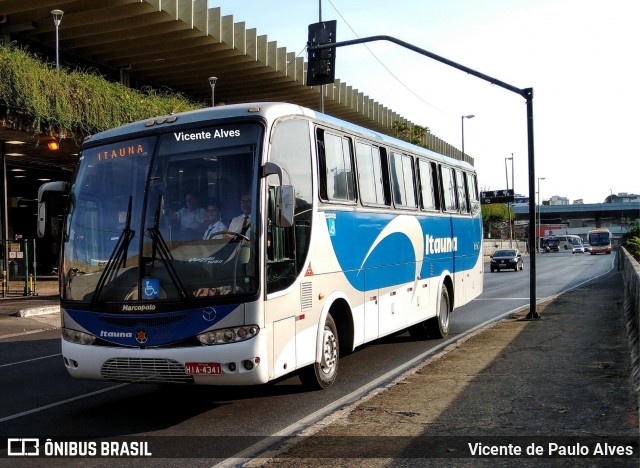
(143, 370)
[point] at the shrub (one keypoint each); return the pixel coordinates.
(631, 242)
(72, 103)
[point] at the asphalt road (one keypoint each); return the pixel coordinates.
(41, 400)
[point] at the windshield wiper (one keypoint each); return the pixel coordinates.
(118, 256)
(159, 246)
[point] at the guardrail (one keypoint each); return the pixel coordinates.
(631, 278)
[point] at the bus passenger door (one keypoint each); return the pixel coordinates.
(371, 304)
(458, 271)
(461, 236)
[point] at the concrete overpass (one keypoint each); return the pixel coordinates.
(578, 219)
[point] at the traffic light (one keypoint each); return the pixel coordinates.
(321, 67)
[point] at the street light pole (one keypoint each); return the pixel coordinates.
(506, 175)
(513, 181)
(212, 83)
(470, 116)
(538, 234)
(57, 19)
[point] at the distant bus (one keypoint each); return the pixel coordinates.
(600, 241)
(566, 242)
(560, 243)
(352, 235)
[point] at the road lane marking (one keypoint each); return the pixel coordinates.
(30, 360)
(502, 299)
(63, 402)
(26, 332)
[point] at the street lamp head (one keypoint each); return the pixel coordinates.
(470, 116)
(57, 16)
(212, 83)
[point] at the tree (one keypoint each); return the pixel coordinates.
(494, 217)
(410, 133)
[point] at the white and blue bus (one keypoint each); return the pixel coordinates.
(350, 235)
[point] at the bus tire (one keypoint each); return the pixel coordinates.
(323, 374)
(438, 326)
(435, 327)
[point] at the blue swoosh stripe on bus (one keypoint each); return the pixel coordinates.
(397, 243)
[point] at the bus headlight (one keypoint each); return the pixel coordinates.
(77, 337)
(228, 335)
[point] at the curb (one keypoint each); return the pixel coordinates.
(38, 311)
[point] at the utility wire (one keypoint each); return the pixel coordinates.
(385, 67)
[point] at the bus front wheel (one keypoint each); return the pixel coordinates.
(322, 374)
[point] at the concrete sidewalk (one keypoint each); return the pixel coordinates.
(557, 385)
(21, 314)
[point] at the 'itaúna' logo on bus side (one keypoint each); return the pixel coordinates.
(434, 245)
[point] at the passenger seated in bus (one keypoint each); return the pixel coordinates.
(191, 217)
(213, 224)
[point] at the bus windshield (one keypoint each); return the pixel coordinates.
(164, 217)
(599, 238)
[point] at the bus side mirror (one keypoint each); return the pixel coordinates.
(49, 192)
(42, 219)
(285, 197)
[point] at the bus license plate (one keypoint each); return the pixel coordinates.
(198, 368)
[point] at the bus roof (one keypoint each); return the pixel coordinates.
(269, 111)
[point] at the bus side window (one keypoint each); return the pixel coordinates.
(462, 192)
(449, 189)
(402, 180)
(287, 248)
(337, 166)
(472, 190)
(370, 175)
(427, 195)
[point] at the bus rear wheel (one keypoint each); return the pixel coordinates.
(438, 326)
(323, 374)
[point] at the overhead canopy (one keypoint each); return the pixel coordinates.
(179, 44)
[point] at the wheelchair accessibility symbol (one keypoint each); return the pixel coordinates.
(150, 288)
(331, 224)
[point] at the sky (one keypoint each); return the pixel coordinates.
(581, 57)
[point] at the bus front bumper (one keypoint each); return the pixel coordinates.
(243, 363)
